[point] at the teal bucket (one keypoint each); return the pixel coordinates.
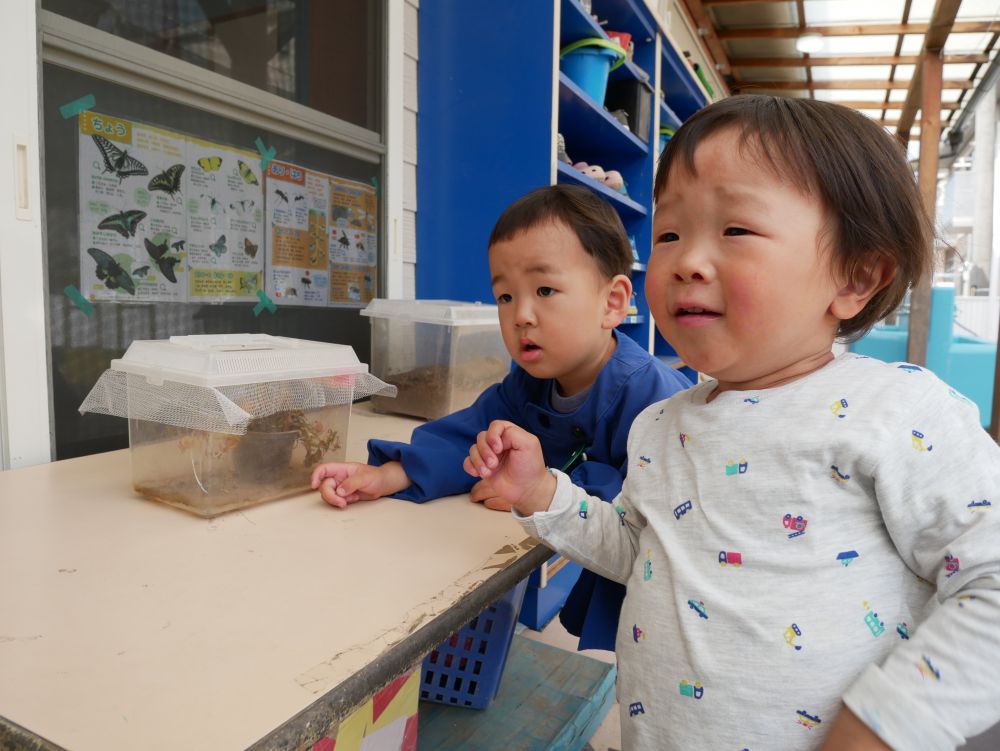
(588, 64)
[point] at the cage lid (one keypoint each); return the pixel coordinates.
(444, 312)
(229, 359)
(221, 383)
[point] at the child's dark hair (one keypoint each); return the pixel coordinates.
(850, 163)
(595, 223)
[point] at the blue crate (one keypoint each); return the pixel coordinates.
(466, 668)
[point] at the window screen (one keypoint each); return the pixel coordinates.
(82, 346)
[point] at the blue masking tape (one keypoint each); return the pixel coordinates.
(266, 153)
(77, 106)
(265, 302)
(79, 300)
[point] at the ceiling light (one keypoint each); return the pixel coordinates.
(809, 43)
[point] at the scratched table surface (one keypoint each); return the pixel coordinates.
(126, 623)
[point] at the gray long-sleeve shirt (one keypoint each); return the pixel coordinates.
(835, 538)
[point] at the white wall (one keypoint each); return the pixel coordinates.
(409, 229)
(25, 431)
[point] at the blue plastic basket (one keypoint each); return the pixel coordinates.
(465, 669)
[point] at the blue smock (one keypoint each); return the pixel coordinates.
(631, 380)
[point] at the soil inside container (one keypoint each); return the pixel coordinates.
(433, 391)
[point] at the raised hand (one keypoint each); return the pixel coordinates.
(511, 459)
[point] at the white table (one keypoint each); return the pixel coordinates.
(128, 624)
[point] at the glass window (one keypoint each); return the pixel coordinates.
(83, 346)
(324, 54)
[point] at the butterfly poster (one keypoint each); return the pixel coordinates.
(130, 184)
(297, 245)
(225, 212)
(165, 216)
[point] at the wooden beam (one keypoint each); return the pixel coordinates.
(833, 85)
(877, 104)
(814, 62)
(930, 135)
(905, 18)
(867, 29)
(800, 13)
(941, 25)
(706, 30)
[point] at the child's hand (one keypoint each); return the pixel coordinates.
(511, 459)
(340, 483)
(482, 492)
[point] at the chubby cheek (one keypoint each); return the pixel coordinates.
(655, 289)
(746, 302)
(508, 331)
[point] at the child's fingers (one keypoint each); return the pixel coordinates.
(323, 471)
(495, 433)
(328, 492)
(318, 475)
(476, 461)
(485, 450)
(348, 487)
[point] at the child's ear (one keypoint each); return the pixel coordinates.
(868, 281)
(619, 293)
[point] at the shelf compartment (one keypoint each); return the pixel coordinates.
(682, 94)
(668, 118)
(586, 124)
(576, 24)
(568, 175)
(627, 16)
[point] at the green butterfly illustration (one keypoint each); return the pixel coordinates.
(124, 223)
(169, 181)
(118, 161)
(247, 173)
(140, 272)
(111, 272)
(164, 261)
(219, 246)
(210, 163)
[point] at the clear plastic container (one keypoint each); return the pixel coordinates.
(209, 473)
(217, 423)
(440, 354)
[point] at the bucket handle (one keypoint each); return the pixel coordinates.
(596, 42)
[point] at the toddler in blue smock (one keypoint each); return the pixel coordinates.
(559, 261)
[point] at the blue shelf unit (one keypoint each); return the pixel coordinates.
(490, 91)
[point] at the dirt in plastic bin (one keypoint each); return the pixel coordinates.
(433, 391)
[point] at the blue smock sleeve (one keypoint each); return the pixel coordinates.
(433, 458)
